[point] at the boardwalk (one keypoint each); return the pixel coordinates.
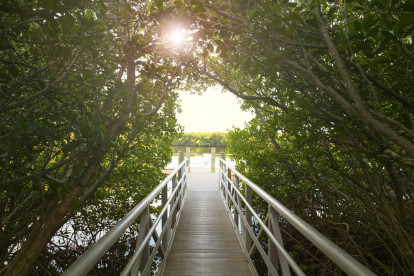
(205, 242)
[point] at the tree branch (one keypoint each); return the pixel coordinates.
(167, 86)
(46, 89)
(239, 95)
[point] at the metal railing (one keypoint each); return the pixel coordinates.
(277, 259)
(141, 261)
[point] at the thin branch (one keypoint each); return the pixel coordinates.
(18, 207)
(272, 138)
(46, 89)
(35, 175)
(55, 180)
(239, 95)
(403, 160)
(101, 180)
(167, 86)
(384, 88)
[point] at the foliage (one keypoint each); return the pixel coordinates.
(208, 139)
(87, 112)
(331, 84)
(87, 105)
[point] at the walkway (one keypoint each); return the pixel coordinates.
(205, 242)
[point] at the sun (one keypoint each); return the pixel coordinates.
(177, 36)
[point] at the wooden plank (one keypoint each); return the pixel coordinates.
(205, 242)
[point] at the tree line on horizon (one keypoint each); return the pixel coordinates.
(201, 139)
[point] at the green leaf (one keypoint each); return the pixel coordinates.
(68, 24)
(48, 4)
(88, 14)
(120, 92)
(149, 7)
(368, 22)
(159, 3)
(4, 44)
(76, 206)
(404, 21)
(314, 4)
(70, 115)
(87, 75)
(13, 70)
(70, 146)
(23, 125)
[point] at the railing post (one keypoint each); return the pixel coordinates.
(273, 251)
(180, 160)
(236, 213)
(224, 184)
(174, 184)
(188, 152)
(173, 212)
(186, 176)
(166, 237)
(248, 196)
(229, 193)
(183, 186)
(213, 160)
(221, 165)
(144, 256)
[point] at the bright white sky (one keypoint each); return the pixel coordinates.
(212, 111)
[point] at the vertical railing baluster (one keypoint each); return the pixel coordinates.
(273, 251)
(180, 160)
(236, 213)
(248, 196)
(146, 251)
(176, 178)
(213, 160)
(174, 211)
(224, 184)
(229, 188)
(221, 165)
(188, 153)
(143, 229)
(166, 237)
(243, 227)
(180, 192)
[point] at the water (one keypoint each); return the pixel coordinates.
(198, 150)
(200, 158)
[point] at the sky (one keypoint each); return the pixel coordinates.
(212, 111)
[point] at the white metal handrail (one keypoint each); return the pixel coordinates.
(141, 261)
(276, 253)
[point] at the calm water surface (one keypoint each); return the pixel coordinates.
(198, 150)
(200, 157)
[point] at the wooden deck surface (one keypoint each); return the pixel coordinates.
(205, 242)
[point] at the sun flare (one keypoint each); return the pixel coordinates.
(177, 37)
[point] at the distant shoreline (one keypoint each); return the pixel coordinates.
(200, 146)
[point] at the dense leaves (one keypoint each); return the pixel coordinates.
(87, 112)
(87, 116)
(331, 84)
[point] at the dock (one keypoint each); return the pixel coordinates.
(205, 242)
